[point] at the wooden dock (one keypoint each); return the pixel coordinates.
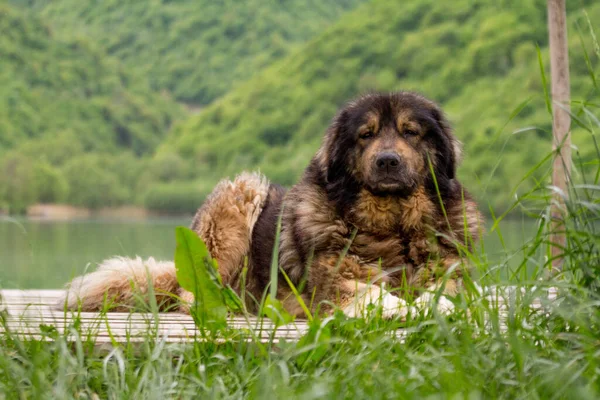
(30, 312)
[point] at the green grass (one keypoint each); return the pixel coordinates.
(537, 356)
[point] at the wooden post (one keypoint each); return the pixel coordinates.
(561, 121)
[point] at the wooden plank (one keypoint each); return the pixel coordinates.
(126, 333)
(28, 311)
(35, 294)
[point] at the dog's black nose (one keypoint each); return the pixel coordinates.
(387, 161)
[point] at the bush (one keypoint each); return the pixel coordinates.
(168, 167)
(49, 184)
(93, 186)
(56, 149)
(16, 190)
(25, 181)
(175, 198)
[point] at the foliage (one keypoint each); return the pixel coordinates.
(50, 184)
(92, 185)
(63, 103)
(24, 180)
(195, 50)
(168, 167)
(15, 171)
(478, 59)
(97, 77)
(197, 272)
(49, 86)
(179, 198)
(64, 97)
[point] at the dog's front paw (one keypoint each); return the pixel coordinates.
(426, 302)
(391, 306)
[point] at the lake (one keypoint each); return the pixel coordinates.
(46, 254)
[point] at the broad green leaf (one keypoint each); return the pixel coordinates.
(196, 271)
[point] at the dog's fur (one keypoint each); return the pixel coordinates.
(378, 214)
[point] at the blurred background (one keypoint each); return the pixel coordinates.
(117, 117)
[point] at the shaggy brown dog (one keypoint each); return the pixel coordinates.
(377, 214)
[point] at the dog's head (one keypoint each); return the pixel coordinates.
(389, 144)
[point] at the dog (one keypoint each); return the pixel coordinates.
(377, 217)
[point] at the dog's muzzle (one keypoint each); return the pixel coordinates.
(388, 163)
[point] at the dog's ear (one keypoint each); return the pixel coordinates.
(331, 156)
(448, 147)
(336, 168)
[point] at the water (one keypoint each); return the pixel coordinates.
(45, 255)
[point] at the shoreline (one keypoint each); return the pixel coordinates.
(65, 212)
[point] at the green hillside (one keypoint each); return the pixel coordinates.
(195, 49)
(67, 109)
(49, 86)
(89, 90)
(478, 59)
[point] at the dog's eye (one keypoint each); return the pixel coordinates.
(366, 135)
(410, 132)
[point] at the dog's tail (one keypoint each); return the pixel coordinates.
(122, 282)
(225, 222)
